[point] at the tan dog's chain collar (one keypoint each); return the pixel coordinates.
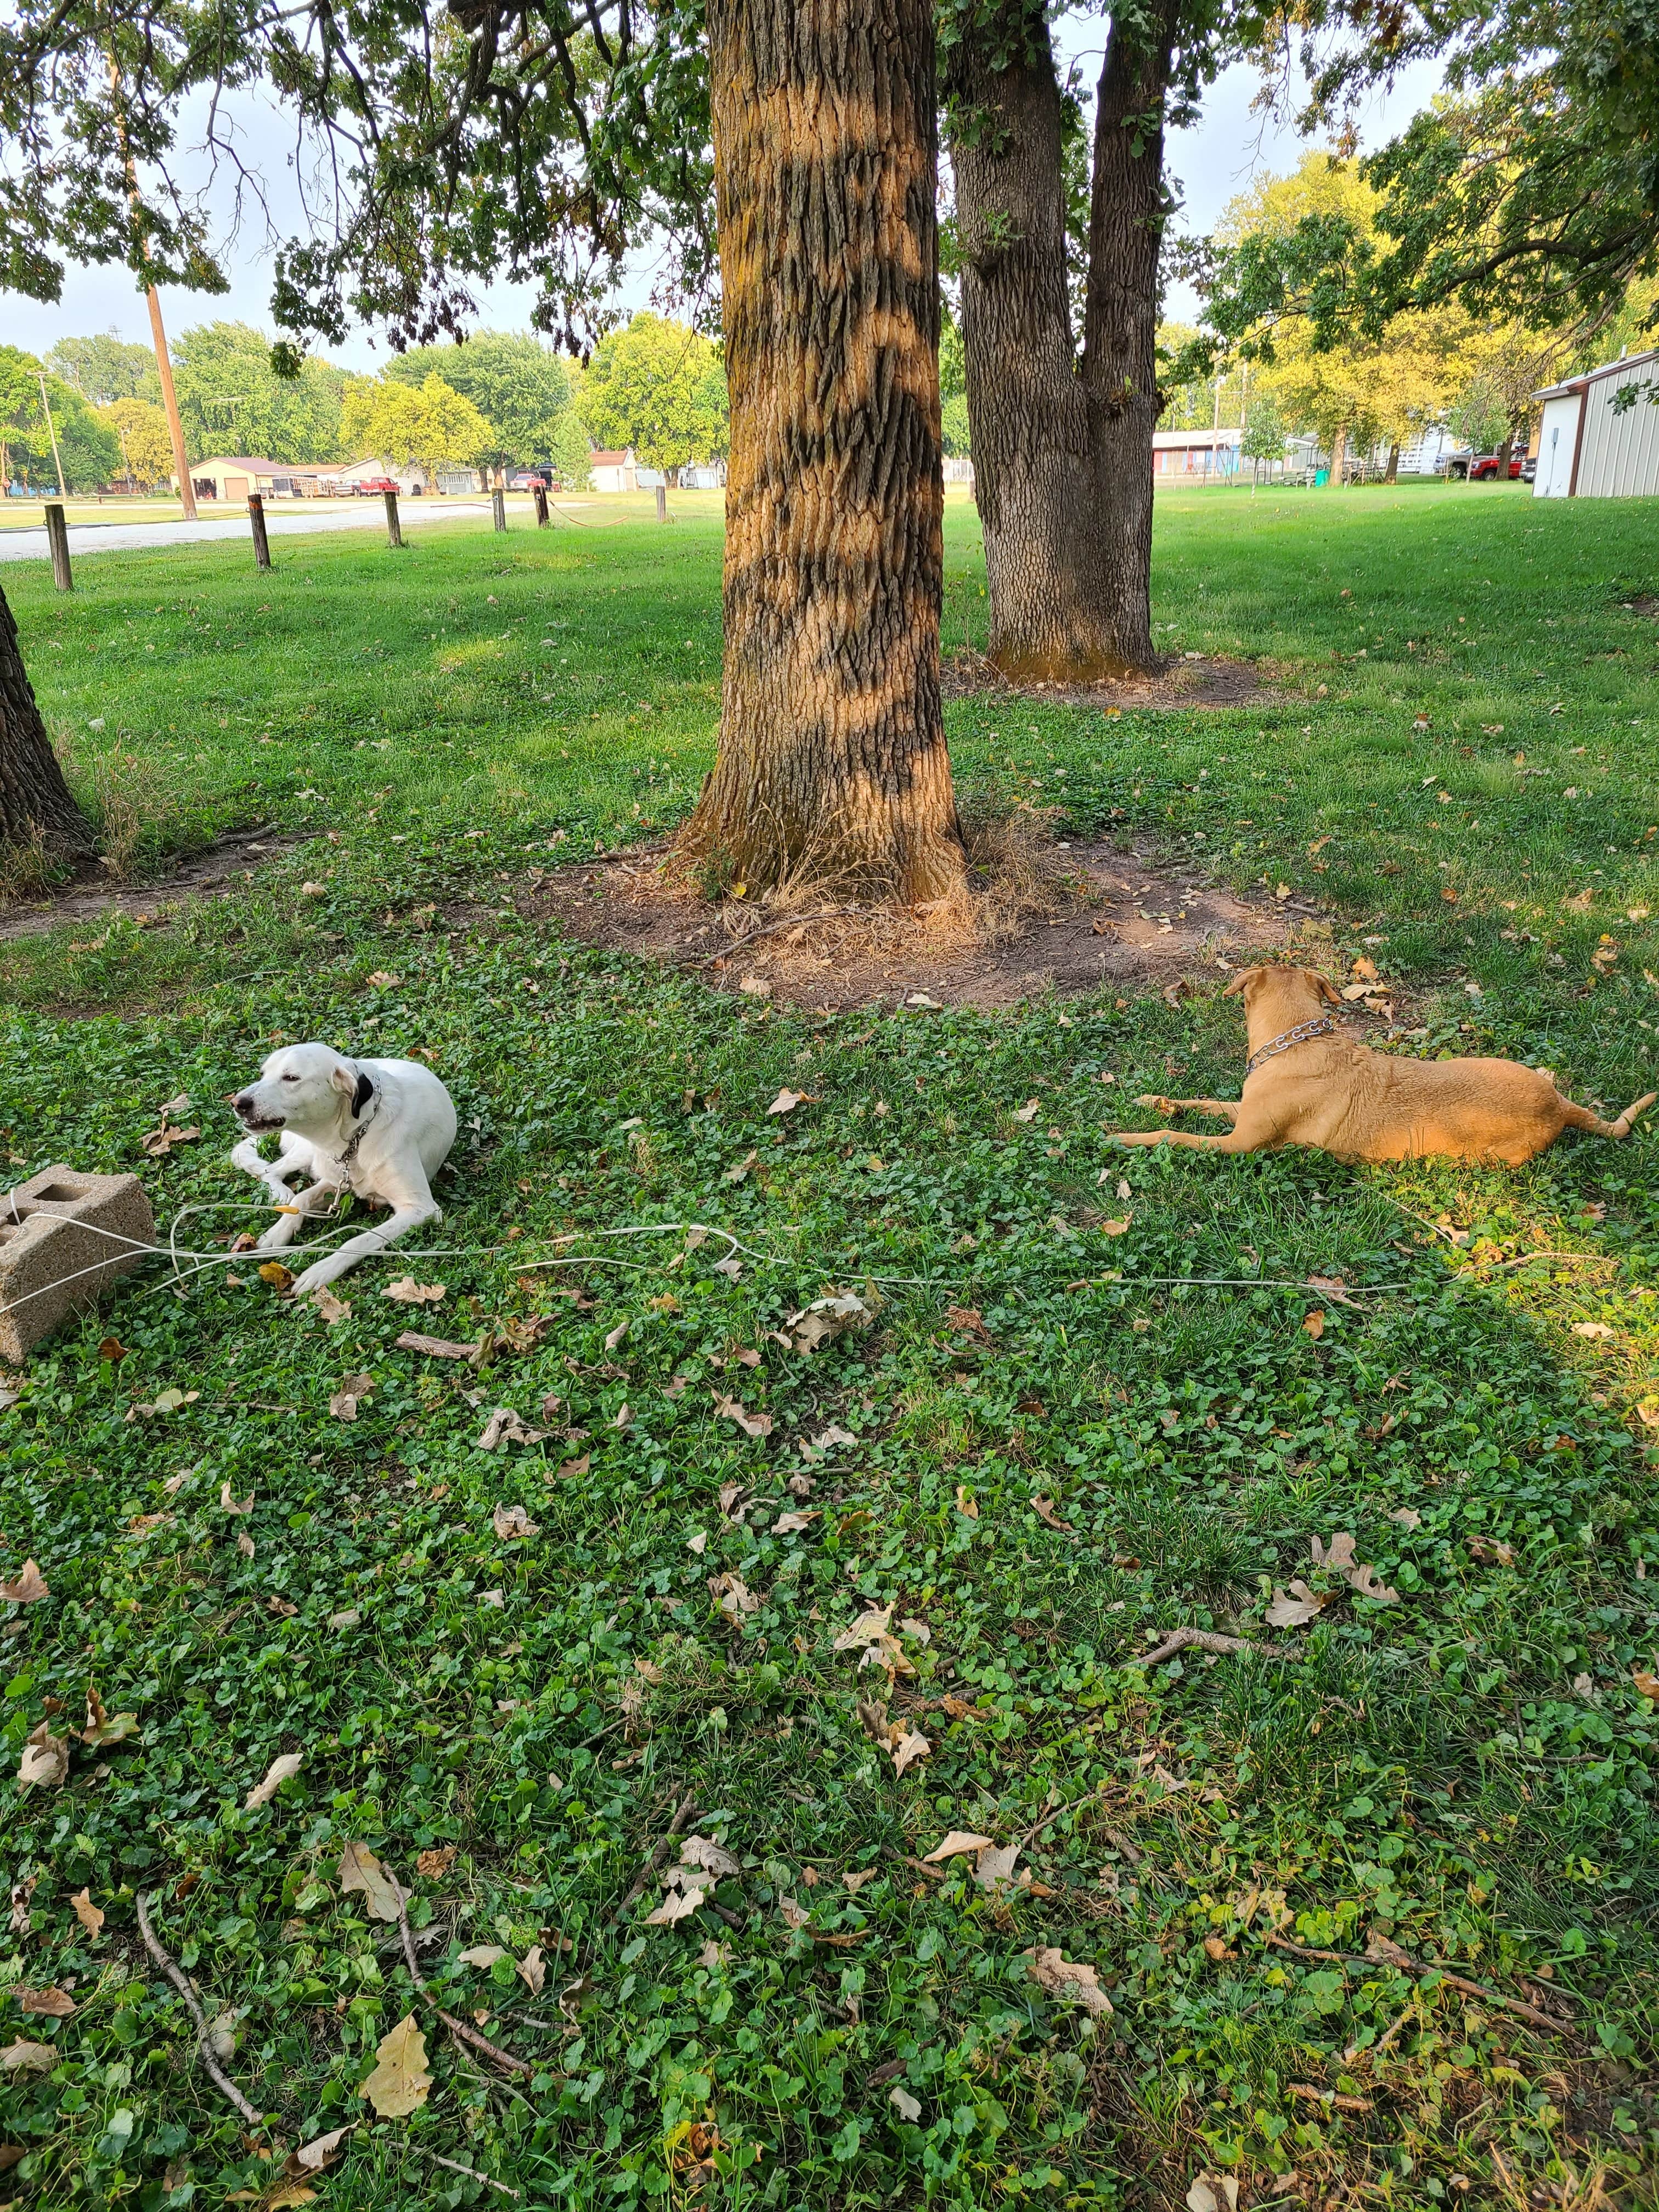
(358, 1135)
(1323, 1027)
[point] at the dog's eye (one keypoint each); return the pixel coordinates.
(290, 1078)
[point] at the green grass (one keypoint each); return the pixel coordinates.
(1426, 1771)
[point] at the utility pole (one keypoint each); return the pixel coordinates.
(45, 409)
(158, 333)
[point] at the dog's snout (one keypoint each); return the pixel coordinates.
(243, 1103)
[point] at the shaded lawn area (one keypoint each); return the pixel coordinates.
(1053, 1445)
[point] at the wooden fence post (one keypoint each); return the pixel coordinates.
(256, 507)
(57, 540)
(394, 535)
(498, 504)
(662, 502)
(543, 519)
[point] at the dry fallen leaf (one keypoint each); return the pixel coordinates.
(1338, 1559)
(827, 1318)
(714, 1858)
(790, 1524)
(796, 1916)
(959, 1840)
(277, 1774)
(678, 1904)
(1592, 1329)
(786, 1101)
(511, 1521)
(313, 2157)
(1314, 1324)
(52, 2004)
(1647, 1684)
(1066, 1978)
(436, 1862)
(27, 1587)
(1296, 1608)
(752, 1424)
(996, 1865)
(904, 1745)
(90, 1917)
(532, 1970)
(244, 1545)
(280, 1277)
(230, 1503)
(1490, 1547)
(482, 1954)
(733, 1596)
(1044, 1510)
(965, 1504)
(1210, 2191)
(1365, 969)
(407, 1292)
(505, 1427)
(45, 1760)
(22, 2058)
(904, 2104)
(360, 1871)
(331, 1309)
(1408, 1517)
(399, 2083)
(1029, 1111)
(853, 1883)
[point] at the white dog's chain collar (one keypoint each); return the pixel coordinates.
(1324, 1026)
(358, 1135)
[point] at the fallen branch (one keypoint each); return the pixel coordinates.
(1205, 1639)
(1331, 2097)
(472, 2173)
(1406, 1965)
(654, 1858)
(456, 2027)
(175, 1974)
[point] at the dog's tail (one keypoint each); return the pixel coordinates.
(1580, 1117)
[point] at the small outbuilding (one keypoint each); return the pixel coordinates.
(1598, 434)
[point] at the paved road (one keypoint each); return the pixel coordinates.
(280, 522)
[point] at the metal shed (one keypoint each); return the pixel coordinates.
(1598, 435)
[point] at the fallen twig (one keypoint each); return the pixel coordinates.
(176, 1975)
(654, 1858)
(472, 2173)
(1331, 2097)
(769, 929)
(1205, 1639)
(456, 2027)
(1406, 1965)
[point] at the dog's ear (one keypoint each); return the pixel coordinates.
(361, 1095)
(344, 1077)
(1240, 981)
(1325, 989)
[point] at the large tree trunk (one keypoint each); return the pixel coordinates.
(1129, 207)
(832, 758)
(36, 807)
(1027, 408)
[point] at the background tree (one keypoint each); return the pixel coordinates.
(140, 430)
(89, 453)
(658, 388)
(105, 367)
(571, 452)
(426, 425)
(1266, 438)
(516, 381)
(953, 389)
(231, 399)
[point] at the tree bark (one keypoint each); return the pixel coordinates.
(1339, 455)
(36, 806)
(1129, 207)
(1391, 474)
(832, 759)
(1031, 433)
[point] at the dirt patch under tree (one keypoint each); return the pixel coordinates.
(1184, 680)
(221, 867)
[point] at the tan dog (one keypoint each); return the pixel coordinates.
(1307, 1084)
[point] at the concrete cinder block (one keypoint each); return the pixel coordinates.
(65, 1238)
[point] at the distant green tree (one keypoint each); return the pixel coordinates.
(232, 401)
(140, 430)
(105, 367)
(517, 382)
(957, 438)
(88, 449)
(1266, 438)
(1479, 416)
(658, 388)
(570, 451)
(426, 425)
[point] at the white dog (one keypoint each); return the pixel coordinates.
(379, 1128)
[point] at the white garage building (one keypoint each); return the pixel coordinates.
(1598, 435)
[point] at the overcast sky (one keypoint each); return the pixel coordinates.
(1229, 146)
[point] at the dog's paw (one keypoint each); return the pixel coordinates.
(1157, 1102)
(313, 1279)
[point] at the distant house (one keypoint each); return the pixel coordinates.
(232, 477)
(703, 476)
(1200, 454)
(1598, 435)
(608, 471)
